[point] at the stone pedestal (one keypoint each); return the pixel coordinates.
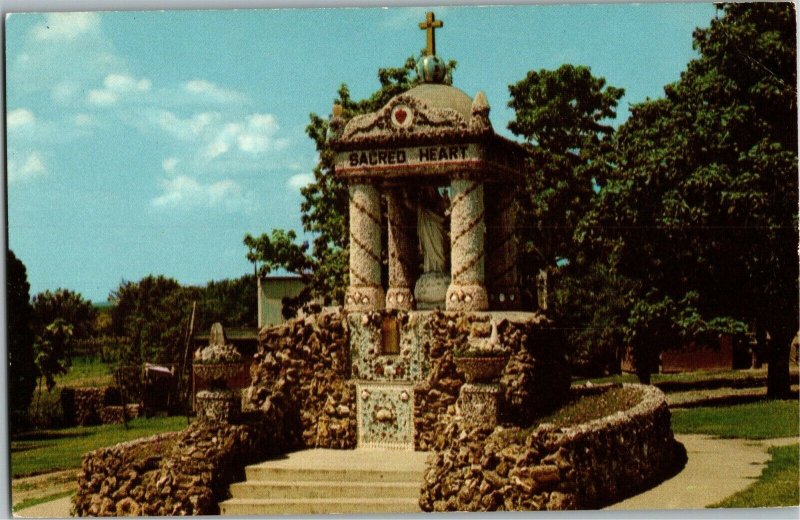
(479, 405)
(402, 252)
(501, 245)
(365, 292)
(218, 405)
(467, 291)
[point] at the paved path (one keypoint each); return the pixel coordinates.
(715, 470)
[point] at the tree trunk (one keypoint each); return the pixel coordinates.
(778, 380)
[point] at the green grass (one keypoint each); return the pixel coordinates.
(86, 372)
(40, 500)
(43, 451)
(680, 377)
(777, 486)
(760, 420)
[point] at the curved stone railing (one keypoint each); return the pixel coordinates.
(585, 466)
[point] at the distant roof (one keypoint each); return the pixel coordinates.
(281, 277)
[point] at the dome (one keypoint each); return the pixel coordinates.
(443, 96)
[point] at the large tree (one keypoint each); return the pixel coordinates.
(564, 116)
(21, 368)
(324, 264)
(701, 213)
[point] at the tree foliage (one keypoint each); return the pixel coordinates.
(701, 213)
(154, 314)
(53, 350)
(65, 305)
(22, 372)
(563, 115)
(232, 302)
(323, 264)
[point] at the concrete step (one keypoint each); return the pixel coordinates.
(317, 506)
(330, 481)
(267, 473)
(325, 489)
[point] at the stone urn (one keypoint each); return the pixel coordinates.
(481, 369)
(215, 365)
(482, 360)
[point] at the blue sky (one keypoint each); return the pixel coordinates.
(151, 142)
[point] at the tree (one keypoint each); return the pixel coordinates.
(324, 209)
(53, 347)
(22, 372)
(68, 306)
(154, 313)
(230, 302)
(702, 211)
(562, 114)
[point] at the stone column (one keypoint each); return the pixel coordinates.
(365, 292)
(467, 229)
(501, 246)
(402, 252)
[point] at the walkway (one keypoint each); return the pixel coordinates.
(715, 470)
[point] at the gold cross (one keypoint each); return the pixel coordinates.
(430, 24)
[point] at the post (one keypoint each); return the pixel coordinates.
(467, 291)
(365, 292)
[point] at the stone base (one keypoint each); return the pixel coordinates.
(400, 298)
(361, 298)
(430, 291)
(504, 299)
(479, 405)
(467, 298)
(218, 405)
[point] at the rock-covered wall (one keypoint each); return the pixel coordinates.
(180, 473)
(303, 368)
(586, 466)
(534, 380)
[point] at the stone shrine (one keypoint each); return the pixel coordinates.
(448, 183)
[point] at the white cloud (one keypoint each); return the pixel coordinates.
(185, 192)
(20, 117)
(29, 168)
(102, 98)
(300, 180)
(169, 164)
(66, 26)
(185, 129)
(115, 86)
(84, 120)
(212, 92)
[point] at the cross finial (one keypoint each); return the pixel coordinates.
(431, 24)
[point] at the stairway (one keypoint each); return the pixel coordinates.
(330, 481)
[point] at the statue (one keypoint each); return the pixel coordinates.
(430, 230)
(431, 288)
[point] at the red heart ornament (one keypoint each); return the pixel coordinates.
(400, 115)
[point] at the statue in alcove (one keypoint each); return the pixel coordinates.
(431, 288)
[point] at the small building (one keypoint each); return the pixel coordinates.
(271, 292)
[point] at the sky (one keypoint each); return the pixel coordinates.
(151, 142)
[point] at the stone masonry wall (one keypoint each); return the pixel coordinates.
(534, 381)
(303, 368)
(180, 473)
(582, 467)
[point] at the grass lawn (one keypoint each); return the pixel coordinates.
(40, 500)
(50, 450)
(760, 420)
(778, 485)
(86, 372)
